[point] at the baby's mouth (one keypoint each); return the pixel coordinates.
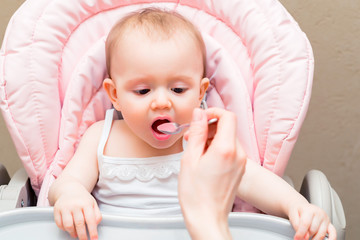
(157, 123)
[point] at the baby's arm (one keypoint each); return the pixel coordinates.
(74, 206)
(274, 196)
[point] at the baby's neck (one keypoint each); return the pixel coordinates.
(150, 151)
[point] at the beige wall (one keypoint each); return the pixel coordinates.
(330, 137)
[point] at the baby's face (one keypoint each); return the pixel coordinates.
(157, 81)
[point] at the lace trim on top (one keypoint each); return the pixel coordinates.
(143, 169)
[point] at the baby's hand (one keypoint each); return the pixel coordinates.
(76, 210)
(309, 220)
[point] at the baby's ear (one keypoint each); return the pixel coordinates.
(204, 84)
(110, 89)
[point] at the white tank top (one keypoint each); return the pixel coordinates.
(136, 186)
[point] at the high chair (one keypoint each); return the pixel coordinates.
(52, 63)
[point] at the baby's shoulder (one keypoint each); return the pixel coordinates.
(97, 126)
(95, 129)
(118, 126)
(120, 142)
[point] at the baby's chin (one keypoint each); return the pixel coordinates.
(172, 145)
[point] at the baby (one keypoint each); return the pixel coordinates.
(156, 66)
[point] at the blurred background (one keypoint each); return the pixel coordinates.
(330, 137)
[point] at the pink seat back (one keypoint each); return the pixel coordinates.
(52, 65)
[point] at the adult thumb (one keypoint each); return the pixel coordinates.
(197, 135)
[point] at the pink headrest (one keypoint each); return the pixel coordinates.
(52, 65)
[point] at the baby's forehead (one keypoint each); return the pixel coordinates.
(158, 35)
(140, 41)
(167, 27)
(132, 38)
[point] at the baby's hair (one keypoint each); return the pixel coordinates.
(157, 24)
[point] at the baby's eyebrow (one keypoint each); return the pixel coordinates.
(137, 80)
(184, 78)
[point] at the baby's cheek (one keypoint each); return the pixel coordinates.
(187, 116)
(134, 117)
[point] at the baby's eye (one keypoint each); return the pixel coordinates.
(178, 90)
(142, 91)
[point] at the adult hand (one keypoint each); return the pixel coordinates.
(211, 169)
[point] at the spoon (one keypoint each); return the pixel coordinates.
(174, 128)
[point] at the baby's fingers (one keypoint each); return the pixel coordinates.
(68, 223)
(320, 232)
(58, 219)
(302, 232)
(331, 232)
(80, 226)
(93, 217)
(325, 228)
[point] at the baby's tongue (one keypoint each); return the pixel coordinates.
(158, 124)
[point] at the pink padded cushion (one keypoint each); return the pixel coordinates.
(52, 65)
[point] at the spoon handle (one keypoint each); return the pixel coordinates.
(213, 120)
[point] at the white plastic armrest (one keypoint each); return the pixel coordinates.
(17, 193)
(318, 191)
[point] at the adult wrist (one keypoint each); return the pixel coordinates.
(207, 227)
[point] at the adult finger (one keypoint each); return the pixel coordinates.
(211, 113)
(241, 152)
(224, 141)
(212, 128)
(197, 136)
(226, 125)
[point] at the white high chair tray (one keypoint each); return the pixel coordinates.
(37, 223)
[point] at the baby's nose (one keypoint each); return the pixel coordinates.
(161, 100)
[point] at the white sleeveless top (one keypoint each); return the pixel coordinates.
(136, 186)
